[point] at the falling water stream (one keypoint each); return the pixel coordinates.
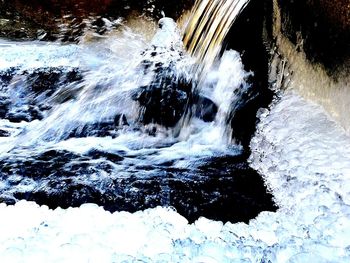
(139, 126)
(121, 122)
(209, 24)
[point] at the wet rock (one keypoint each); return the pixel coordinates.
(43, 81)
(97, 154)
(4, 106)
(120, 120)
(164, 101)
(99, 129)
(66, 195)
(9, 200)
(33, 91)
(47, 80)
(255, 57)
(4, 133)
(321, 29)
(205, 109)
(6, 76)
(221, 188)
(23, 115)
(50, 163)
(169, 96)
(226, 189)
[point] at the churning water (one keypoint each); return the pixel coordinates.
(118, 122)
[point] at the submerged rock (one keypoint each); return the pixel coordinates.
(4, 133)
(100, 128)
(222, 188)
(26, 96)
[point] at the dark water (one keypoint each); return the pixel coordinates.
(117, 122)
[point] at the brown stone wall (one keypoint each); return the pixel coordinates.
(37, 9)
(23, 19)
(336, 12)
(321, 28)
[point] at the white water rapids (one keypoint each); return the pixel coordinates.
(110, 77)
(303, 156)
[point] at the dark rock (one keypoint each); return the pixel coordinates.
(44, 81)
(47, 80)
(34, 91)
(19, 116)
(249, 29)
(205, 109)
(97, 154)
(56, 156)
(65, 195)
(50, 163)
(101, 128)
(120, 120)
(221, 188)
(164, 101)
(9, 200)
(324, 29)
(4, 133)
(4, 106)
(6, 76)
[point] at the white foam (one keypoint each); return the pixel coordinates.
(305, 161)
(37, 54)
(303, 156)
(109, 79)
(168, 35)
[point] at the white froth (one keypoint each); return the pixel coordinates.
(303, 156)
(167, 36)
(35, 55)
(109, 79)
(305, 160)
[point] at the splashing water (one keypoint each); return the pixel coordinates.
(101, 121)
(85, 128)
(209, 23)
(110, 79)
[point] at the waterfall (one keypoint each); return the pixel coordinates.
(101, 121)
(148, 89)
(121, 140)
(208, 25)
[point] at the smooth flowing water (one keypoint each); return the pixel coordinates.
(209, 23)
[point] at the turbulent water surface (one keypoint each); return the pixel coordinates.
(120, 122)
